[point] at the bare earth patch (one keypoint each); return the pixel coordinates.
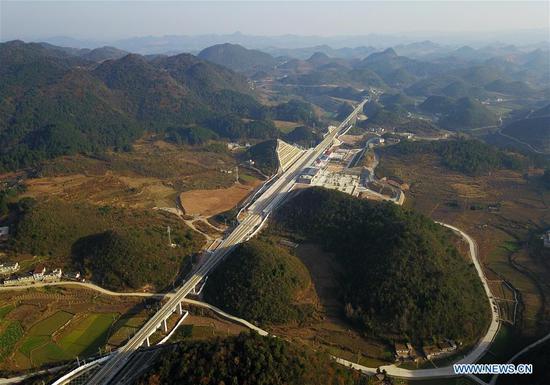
(212, 202)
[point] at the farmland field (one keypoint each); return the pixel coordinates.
(88, 335)
(52, 325)
(48, 326)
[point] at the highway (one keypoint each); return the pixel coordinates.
(256, 215)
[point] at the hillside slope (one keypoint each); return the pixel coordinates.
(238, 58)
(402, 275)
(54, 103)
(244, 284)
(533, 131)
(247, 359)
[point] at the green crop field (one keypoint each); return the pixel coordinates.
(49, 325)
(88, 335)
(49, 353)
(9, 337)
(32, 342)
(4, 310)
(125, 327)
(39, 335)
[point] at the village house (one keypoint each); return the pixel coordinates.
(39, 272)
(401, 351)
(439, 350)
(72, 275)
(9, 267)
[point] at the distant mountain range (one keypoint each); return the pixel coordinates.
(193, 44)
(56, 101)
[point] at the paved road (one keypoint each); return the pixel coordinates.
(473, 355)
(522, 352)
(257, 213)
(86, 285)
(392, 370)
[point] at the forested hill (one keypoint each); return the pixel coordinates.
(54, 103)
(402, 274)
(247, 359)
(469, 156)
(244, 284)
(238, 58)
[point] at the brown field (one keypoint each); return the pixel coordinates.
(109, 189)
(351, 139)
(212, 202)
(503, 233)
(285, 126)
(151, 175)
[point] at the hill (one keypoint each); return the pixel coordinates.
(471, 157)
(55, 103)
(304, 136)
(401, 273)
(544, 111)
(463, 113)
(516, 88)
(116, 248)
(238, 58)
(247, 359)
(264, 156)
(244, 284)
(104, 53)
(436, 104)
(468, 113)
(533, 131)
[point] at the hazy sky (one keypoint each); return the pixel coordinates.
(112, 20)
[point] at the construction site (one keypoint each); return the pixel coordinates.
(342, 168)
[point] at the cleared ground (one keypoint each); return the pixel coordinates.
(285, 126)
(151, 175)
(211, 202)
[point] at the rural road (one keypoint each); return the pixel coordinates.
(391, 370)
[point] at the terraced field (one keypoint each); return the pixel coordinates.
(49, 326)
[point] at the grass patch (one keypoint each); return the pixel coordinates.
(32, 342)
(88, 335)
(9, 337)
(125, 327)
(511, 246)
(4, 310)
(49, 325)
(49, 353)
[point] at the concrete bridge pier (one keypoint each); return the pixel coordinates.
(165, 325)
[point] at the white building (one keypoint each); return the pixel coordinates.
(8, 267)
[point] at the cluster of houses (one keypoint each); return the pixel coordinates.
(406, 352)
(8, 267)
(39, 274)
